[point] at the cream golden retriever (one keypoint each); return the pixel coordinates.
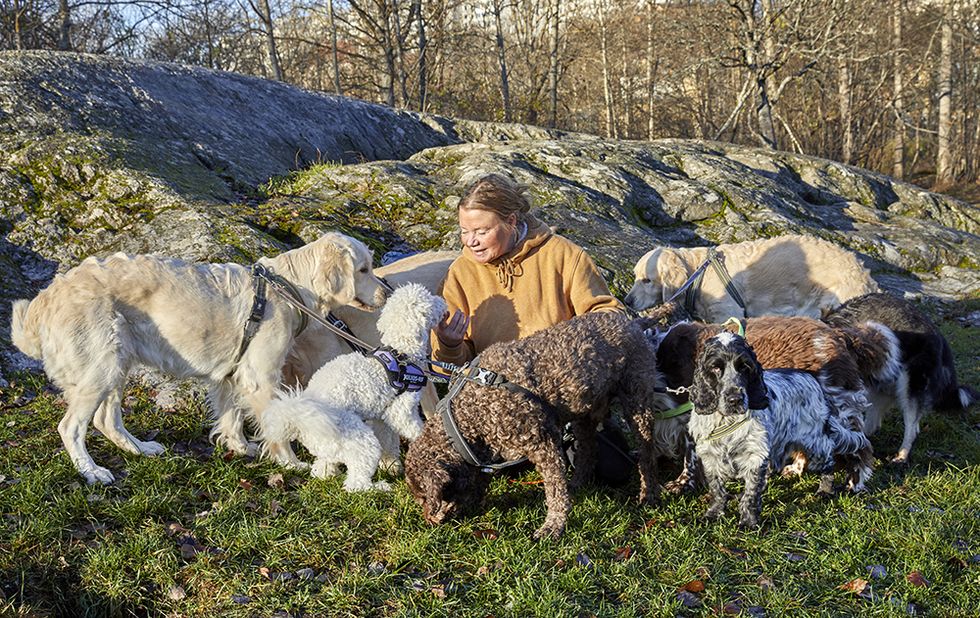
(107, 315)
(786, 275)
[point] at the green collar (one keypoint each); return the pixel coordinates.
(684, 408)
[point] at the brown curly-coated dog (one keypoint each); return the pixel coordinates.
(573, 369)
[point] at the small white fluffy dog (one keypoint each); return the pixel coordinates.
(97, 321)
(329, 416)
(786, 275)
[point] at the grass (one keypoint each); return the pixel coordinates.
(197, 533)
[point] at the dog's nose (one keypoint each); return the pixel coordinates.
(734, 398)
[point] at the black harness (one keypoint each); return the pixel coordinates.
(260, 275)
(484, 377)
(692, 287)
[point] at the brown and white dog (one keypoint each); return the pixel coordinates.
(747, 421)
(928, 374)
(97, 321)
(781, 342)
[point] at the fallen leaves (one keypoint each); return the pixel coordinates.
(276, 481)
(486, 533)
(917, 579)
(695, 585)
(855, 586)
(622, 554)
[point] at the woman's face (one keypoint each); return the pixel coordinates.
(485, 234)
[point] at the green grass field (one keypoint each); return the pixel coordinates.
(197, 533)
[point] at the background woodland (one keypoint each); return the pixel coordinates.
(892, 86)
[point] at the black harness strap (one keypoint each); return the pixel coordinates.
(692, 288)
(473, 373)
(254, 316)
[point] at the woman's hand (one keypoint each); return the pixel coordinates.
(452, 328)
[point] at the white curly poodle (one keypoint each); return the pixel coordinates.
(376, 389)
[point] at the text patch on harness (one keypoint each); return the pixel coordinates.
(402, 375)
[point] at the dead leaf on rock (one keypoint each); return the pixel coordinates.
(855, 586)
(916, 579)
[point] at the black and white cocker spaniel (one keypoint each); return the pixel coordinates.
(748, 421)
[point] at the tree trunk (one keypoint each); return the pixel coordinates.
(333, 45)
(423, 77)
(844, 107)
(265, 15)
(626, 90)
(553, 71)
(650, 70)
(399, 49)
(944, 157)
(898, 147)
(606, 77)
(498, 7)
(64, 26)
(764, 53)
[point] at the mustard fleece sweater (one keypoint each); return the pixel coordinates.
(544, 280)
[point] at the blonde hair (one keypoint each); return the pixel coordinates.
(498, 194)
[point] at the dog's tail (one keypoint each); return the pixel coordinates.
(952, 394)
(275, 424)
(24, 329)
(877, 351)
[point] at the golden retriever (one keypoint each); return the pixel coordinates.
(105, 316)
(786, 275)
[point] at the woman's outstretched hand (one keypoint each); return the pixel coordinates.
(452, 328)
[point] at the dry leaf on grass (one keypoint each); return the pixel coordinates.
(275, 481)
(695, 585)
(245, 484)
(623, 554)
(485, 533)
(916, 579)
(855, 586)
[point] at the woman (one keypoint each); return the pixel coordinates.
(514, 278)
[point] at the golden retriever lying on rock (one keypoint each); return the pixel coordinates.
(786, 275)
(105, 316)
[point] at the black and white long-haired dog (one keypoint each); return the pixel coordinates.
(927, 378)
(748, 421)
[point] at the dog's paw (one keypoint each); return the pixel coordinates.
(97, 474)
(548, 531)
(391, 466)
(750, 522)
(899, 459)
(150, 449)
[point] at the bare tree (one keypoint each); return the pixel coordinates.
(898, 150)
(944, 157)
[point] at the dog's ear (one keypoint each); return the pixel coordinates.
(755, 385)
(671, 272)
(704, 387)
